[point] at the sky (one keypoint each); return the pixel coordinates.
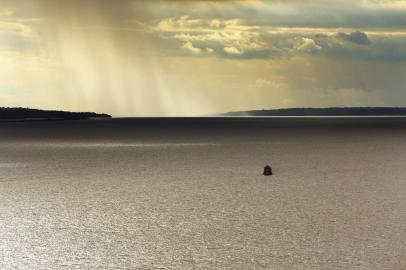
(187, 58)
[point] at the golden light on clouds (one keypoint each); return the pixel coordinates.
(144, 58)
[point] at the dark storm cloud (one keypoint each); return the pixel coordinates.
(314, 13)
(357, 37)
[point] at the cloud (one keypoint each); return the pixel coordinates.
(4, 12)
(240, 39)
(269, 84)
(121, 58)
(16, 34)
(306, 45)
(357, 37)
(229, 36)
(16, 28)
(186, 23)
(233, 50)
(189, 46)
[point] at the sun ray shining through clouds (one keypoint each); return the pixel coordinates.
(172, 58)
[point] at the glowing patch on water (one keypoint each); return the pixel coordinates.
(117, 145)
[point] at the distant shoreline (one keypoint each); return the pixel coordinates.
(49, 119)
(197, 118)
(258, 117)
(323, 112)
(36, 115)
(313, 116)
(29, 115)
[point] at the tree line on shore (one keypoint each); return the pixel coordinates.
(33, 114)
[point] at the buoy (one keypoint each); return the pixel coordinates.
(267, 170)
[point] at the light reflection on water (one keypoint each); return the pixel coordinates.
(336, 201)
(111, 145)
(12, 164)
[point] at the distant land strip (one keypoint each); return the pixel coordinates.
(25, 114)
(333, 111)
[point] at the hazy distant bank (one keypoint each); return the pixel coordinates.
(333, 111)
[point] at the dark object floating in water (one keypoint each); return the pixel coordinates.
(267, 170)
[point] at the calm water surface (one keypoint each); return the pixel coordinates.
(189, 194)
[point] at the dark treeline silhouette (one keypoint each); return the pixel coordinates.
(34, 114)
(349, 111)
